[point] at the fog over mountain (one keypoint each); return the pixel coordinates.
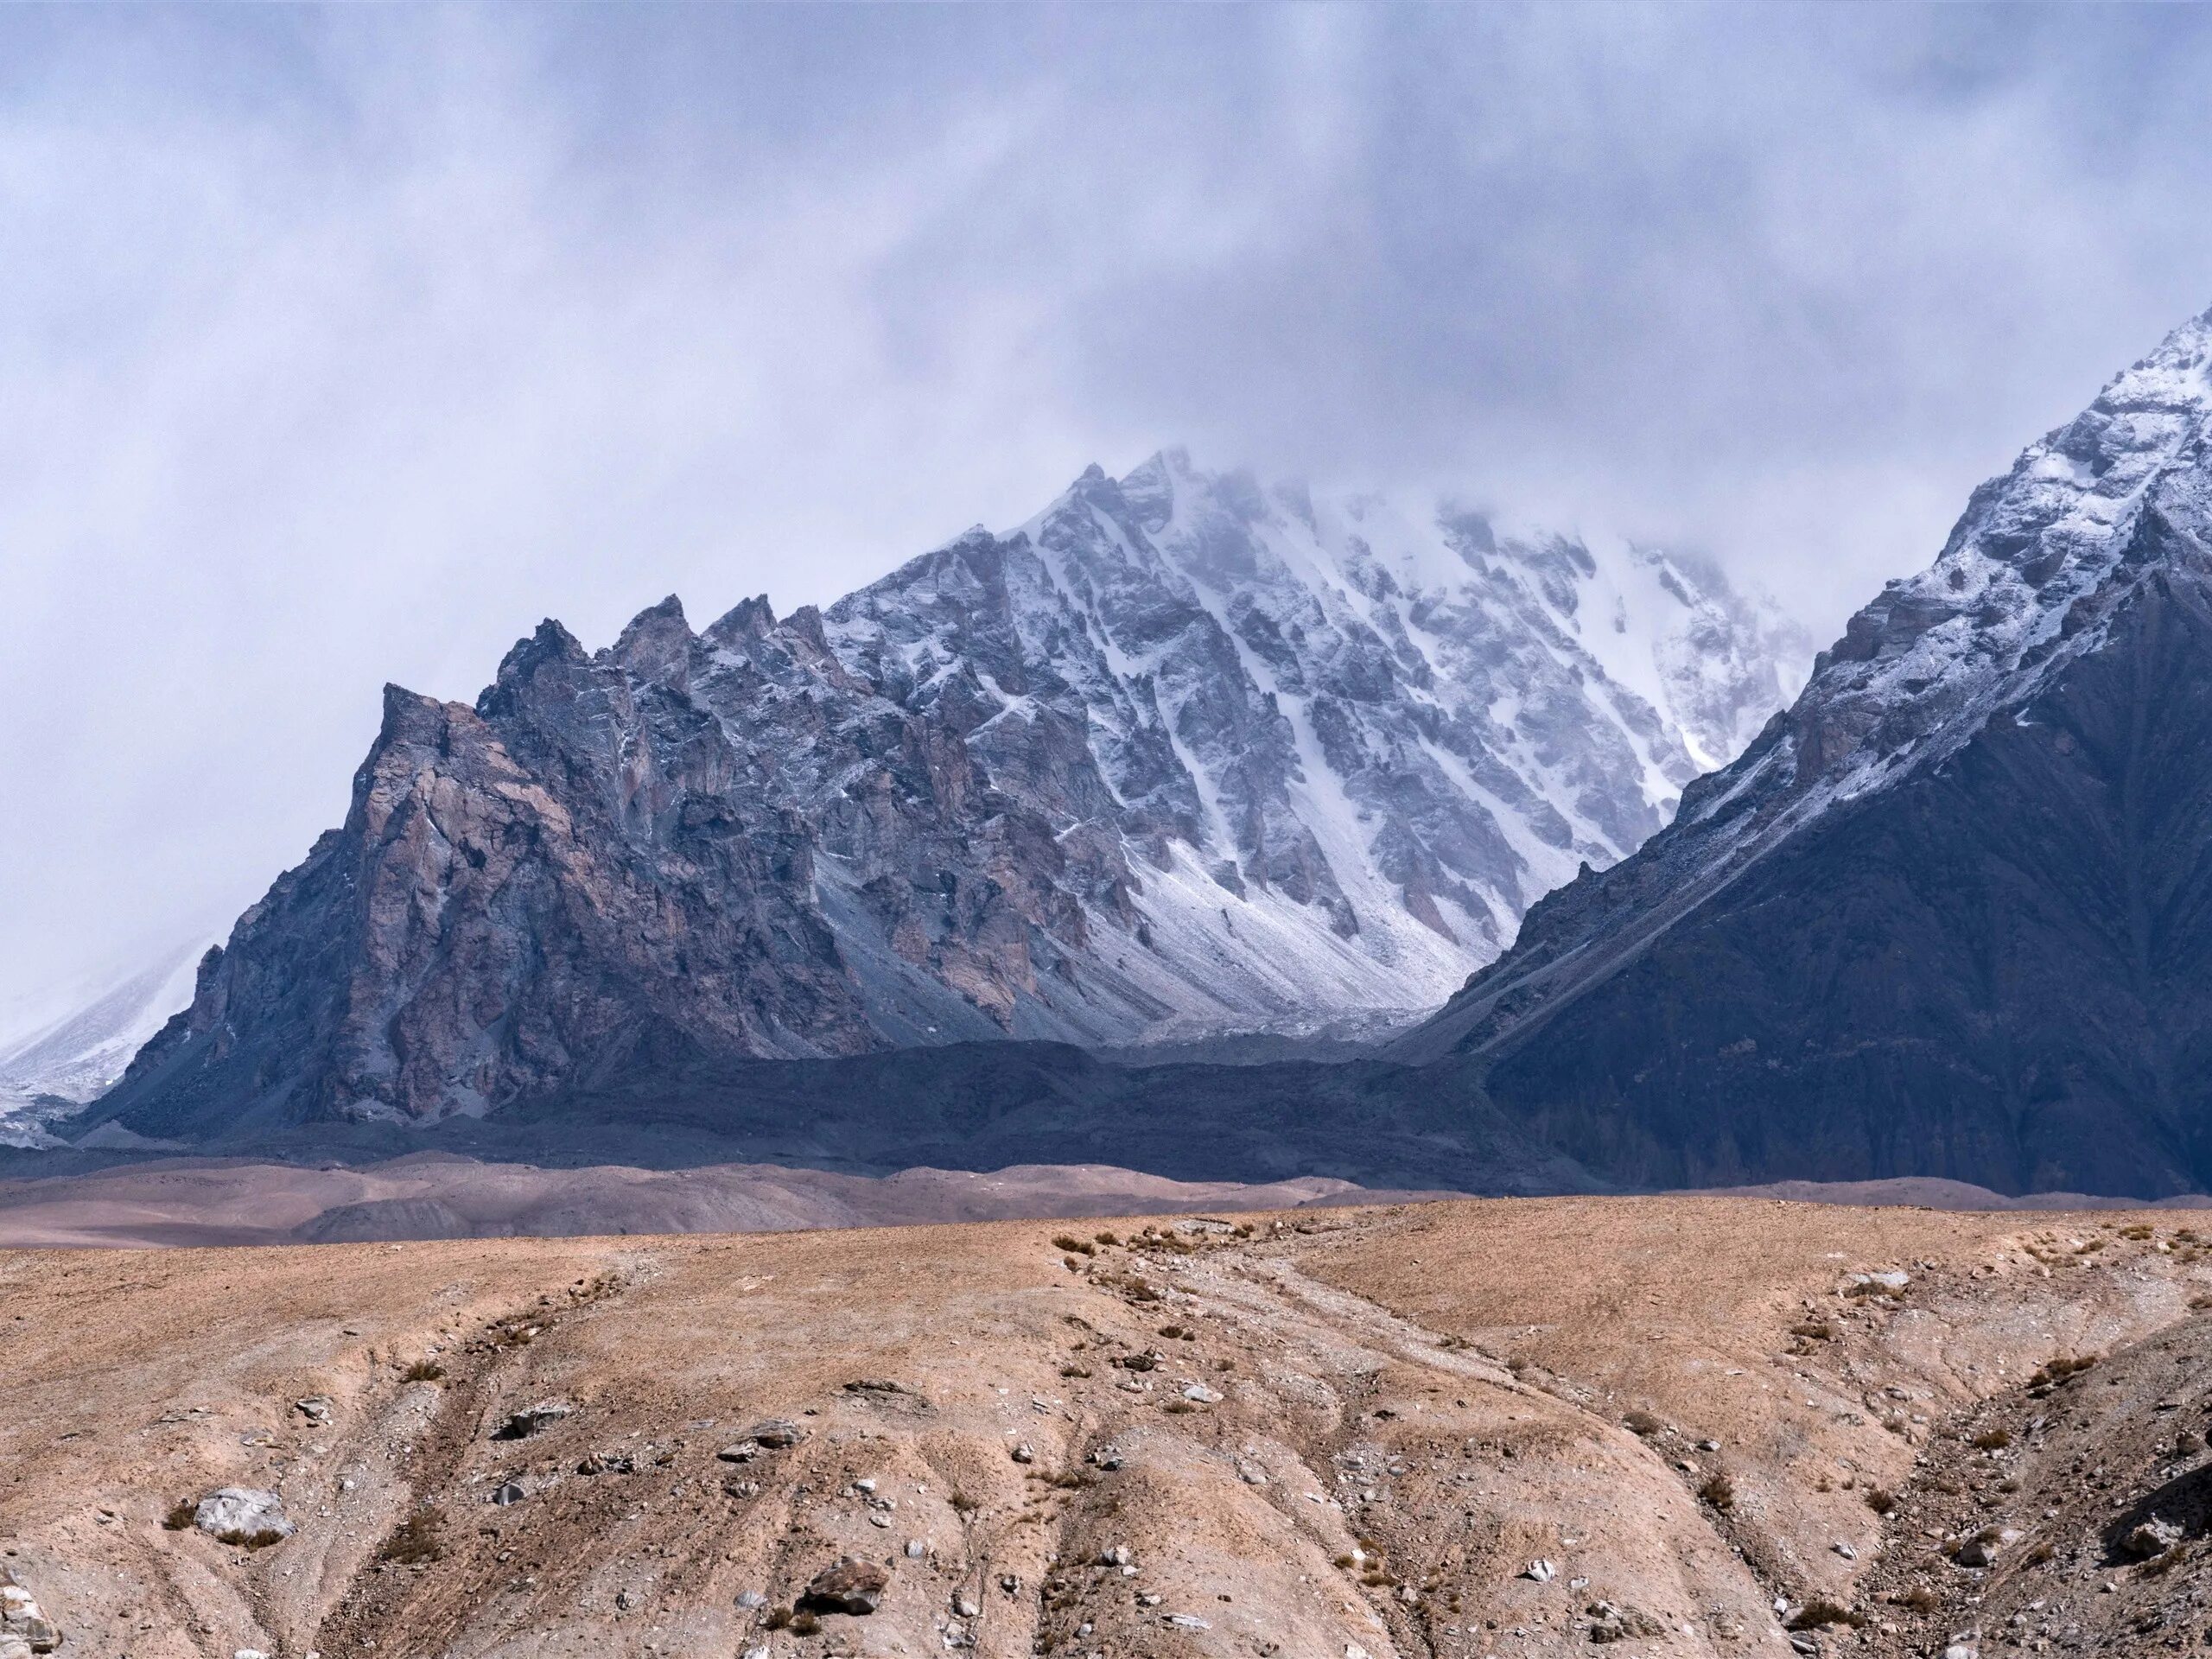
(344, 346)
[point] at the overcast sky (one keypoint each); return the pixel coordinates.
(339, 346)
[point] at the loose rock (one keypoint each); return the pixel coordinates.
(525, 1423)
(22, 1617)
(2153, 1537)
(243, 1515)
(847, 1586)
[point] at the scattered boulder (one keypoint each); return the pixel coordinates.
(315, 1408)
(522, 1424)
(608, 1463)
(1542, 1571)
(1116, 1555)
(847, 1586)
(508, 1491)
(2153, 1537)
(1147, 1360)
(882, 1391)
(1887, 1282)
(778, 1433)
(1023, 1454)
(1203, 1395)
(23, 1620)
(1986, 1546)
(742, 1452)
(1609, 1623)
(243, 1515)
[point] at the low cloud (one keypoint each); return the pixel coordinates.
(343, 345)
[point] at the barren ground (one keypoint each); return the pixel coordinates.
(1462, 1427)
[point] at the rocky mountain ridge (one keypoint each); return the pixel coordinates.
(1180, 756)
(1945, 916)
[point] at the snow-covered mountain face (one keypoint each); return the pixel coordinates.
(1947, 914)
(1180, 756)
(1343, 744)
(2043, 559)
(73, 1059)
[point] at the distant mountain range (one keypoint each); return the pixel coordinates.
(1182, 755)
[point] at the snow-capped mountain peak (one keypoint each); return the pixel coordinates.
(2041, 556)
(1183, 753)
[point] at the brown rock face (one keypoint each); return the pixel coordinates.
(612, 857)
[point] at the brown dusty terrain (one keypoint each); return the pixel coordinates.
(1464, 1428)
(198, 1201)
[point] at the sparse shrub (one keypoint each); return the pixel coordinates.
(180, 1516)
(1109, 1238)
(964, 1503)
(2061, 1367)
(2137, 1231)
(1814, 1331)
(423, 1371)
(1640, 1421)
(414, 1540)
(1881, 1500)
(1073, 1245)
(1992, 1439)
(805, 1624)
(1719, 1491)
(1819, 1611)
(2038, 1552)
(1073, 1370)
(778, 1617)
(1178, 1407)
(1921, 1599)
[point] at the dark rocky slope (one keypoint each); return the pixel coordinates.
(1952, 913)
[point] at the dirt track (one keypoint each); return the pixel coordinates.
(1356, 1430)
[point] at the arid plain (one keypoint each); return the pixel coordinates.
(1664, 1425)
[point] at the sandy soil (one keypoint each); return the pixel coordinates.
(1465, 1428)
